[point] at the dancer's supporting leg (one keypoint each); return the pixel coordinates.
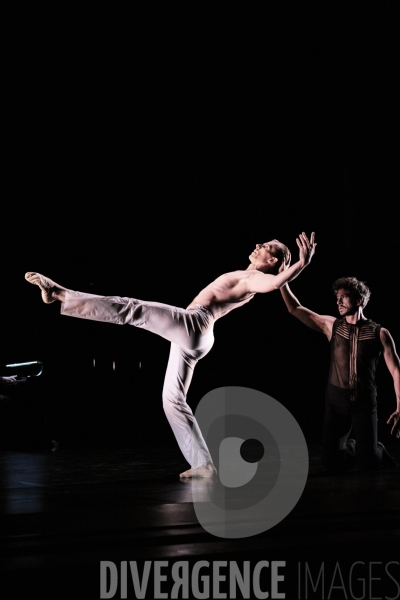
(336, 455)
(178, 376)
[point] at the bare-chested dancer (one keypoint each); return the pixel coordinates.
(189, 330)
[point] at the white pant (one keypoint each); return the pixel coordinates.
(190, 332)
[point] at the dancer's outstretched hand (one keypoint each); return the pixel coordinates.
(306, 247)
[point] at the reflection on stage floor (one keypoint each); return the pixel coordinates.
(64, 511)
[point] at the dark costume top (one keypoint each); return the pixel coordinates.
(355, 350)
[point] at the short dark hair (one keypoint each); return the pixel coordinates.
(355, 286)
(281, 252)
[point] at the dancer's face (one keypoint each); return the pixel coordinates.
(347, 302)
(262, 256)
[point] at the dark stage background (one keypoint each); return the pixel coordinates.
(146, 153)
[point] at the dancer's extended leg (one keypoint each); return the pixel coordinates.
(191, 329)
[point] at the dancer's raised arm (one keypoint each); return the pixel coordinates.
(265, 282)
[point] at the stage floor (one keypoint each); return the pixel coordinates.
(62, 512)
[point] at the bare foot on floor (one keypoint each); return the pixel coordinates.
(207, 470)
(50, 290)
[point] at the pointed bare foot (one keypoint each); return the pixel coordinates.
(207, 470)
(49, 288)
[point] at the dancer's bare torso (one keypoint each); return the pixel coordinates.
(227, 292)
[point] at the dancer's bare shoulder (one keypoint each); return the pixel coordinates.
(231, 287)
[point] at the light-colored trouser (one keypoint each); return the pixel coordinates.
(190, 332)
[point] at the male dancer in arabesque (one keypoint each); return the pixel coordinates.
(189, 330)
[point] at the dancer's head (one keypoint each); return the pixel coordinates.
(351, 293)
(268, 257)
